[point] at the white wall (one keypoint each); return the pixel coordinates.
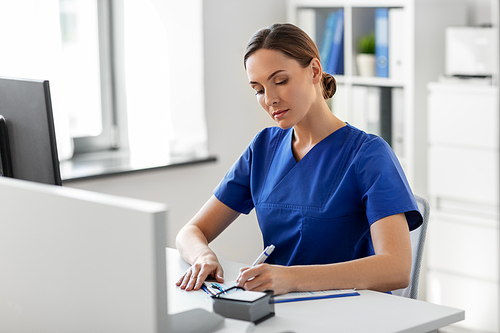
(233, 118)
(480, 11)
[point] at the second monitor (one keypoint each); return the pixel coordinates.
(27, 136)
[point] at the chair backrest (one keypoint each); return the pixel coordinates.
(417, 249)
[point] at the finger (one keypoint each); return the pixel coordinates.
(247, 274)
(185, 279)
(193, 277)
(178, 283)
(200, 279)
(257, 283)
(204, 271)
(242, 270)
(209, 270)
(219, 274)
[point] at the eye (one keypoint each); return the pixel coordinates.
(281, 82)
(259, 92)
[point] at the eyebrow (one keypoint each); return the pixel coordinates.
(270, 76)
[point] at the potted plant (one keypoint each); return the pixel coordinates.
(365, 59)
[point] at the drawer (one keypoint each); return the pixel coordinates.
(465, 174)
(463, 245)
(465, 117)
(478, 298)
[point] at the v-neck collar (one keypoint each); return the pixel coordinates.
(289, 138)
(284, 168)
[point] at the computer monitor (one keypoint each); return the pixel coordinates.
(78, 261)
(27, 136)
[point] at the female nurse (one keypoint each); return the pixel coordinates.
(332, 199)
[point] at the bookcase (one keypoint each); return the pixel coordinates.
(395, 106)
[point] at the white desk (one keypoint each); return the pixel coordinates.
(370, 312)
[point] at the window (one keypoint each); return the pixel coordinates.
(86, 63)
(123, 74)
(80, 65)
(164, 71)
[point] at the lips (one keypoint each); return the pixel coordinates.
(280, 113)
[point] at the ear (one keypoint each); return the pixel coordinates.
(316, 70)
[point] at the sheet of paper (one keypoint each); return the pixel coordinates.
(243, 295)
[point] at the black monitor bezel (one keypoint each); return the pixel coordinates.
(14, 128)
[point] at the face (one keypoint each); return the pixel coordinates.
(283, 88)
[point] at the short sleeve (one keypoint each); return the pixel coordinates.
(383, 185)
(234, 189)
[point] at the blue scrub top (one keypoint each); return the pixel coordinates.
(318, 210)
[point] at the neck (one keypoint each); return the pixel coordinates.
(318, 124)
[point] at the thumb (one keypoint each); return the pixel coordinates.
(219, 274)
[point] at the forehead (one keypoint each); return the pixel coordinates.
(264, 62)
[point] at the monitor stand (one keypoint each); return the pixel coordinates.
(195, 321)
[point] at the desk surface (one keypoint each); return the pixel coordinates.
(370, 312)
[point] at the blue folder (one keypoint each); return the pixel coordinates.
(335, 64)
(326, 46)
(382, 42)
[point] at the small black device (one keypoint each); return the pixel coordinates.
(239, 304)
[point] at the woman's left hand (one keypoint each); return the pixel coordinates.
(266, 277)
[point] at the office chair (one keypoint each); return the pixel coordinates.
(417, 250)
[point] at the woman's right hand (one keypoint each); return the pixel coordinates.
(193, 239)
(195, 275)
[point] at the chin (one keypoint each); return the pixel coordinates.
(284, 126)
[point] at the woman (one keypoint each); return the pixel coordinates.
(331, 198)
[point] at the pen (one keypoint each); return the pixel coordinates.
(264, 255)
(207, 290)
(260, 259)
(216, 286)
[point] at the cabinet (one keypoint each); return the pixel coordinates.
(463, 236)
(421, 42)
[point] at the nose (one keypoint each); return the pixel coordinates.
(271, 98)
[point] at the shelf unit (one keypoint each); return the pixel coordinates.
(463, 270)
(423, 25)
(464, 237)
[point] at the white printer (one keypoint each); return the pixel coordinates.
(469, 51)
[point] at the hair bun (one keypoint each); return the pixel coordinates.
(329, 85)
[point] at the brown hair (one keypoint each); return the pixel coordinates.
(293, 42)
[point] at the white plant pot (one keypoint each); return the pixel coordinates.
(366, 64)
